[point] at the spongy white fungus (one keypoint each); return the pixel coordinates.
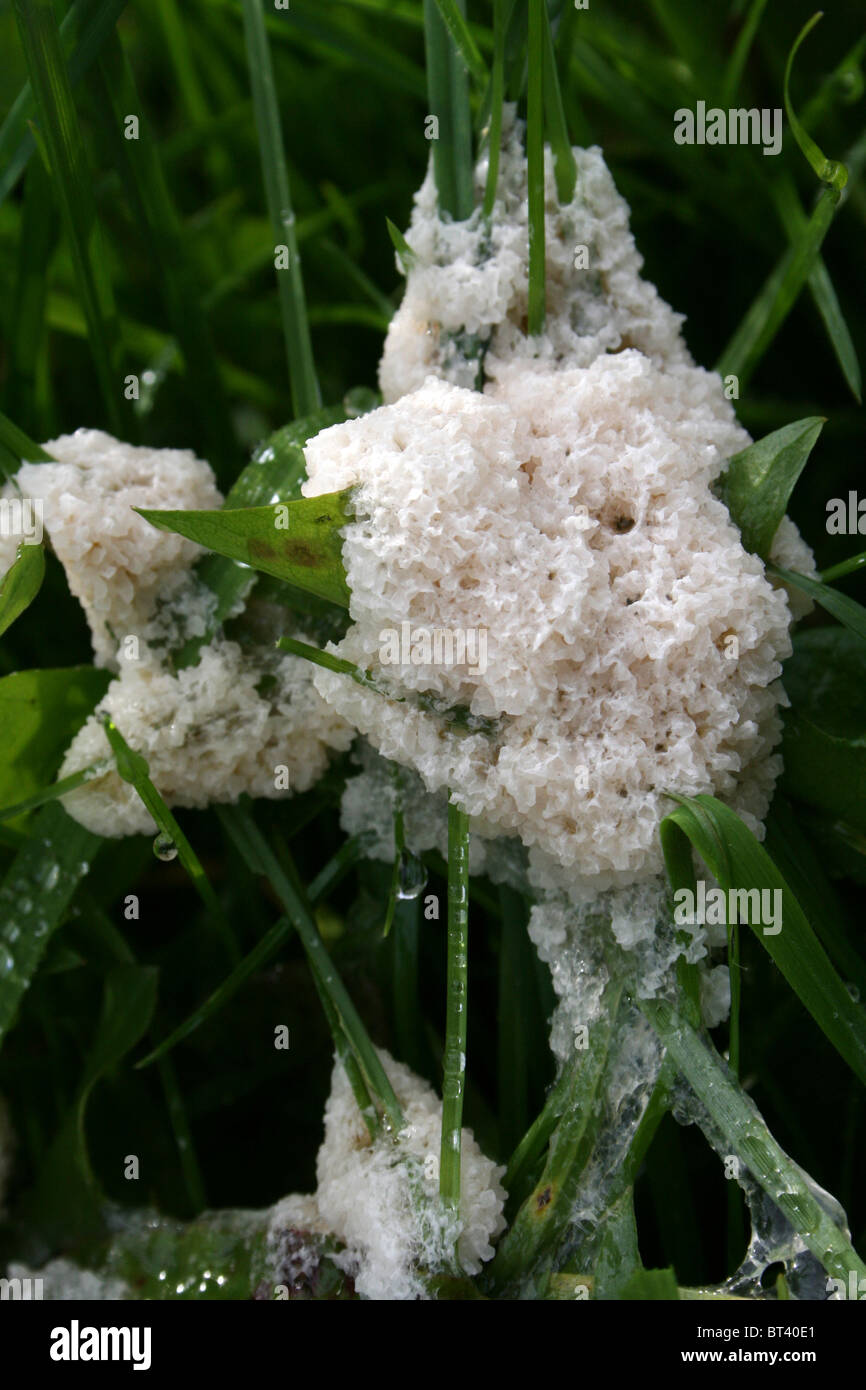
(237, 722)
(469, 280)
(363, 1196)
(632, 645)
(232, 724)
(116, 563)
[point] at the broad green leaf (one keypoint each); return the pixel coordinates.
(758, 482)
(846, 609)
(40, 713)
(298, 542)
(276, 470)
(21, 583)
(34, 897)
(825, 771)
(742, 1127)
(737, 860)
(651, 1285)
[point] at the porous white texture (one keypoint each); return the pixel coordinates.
(790, 552)
(471, 278)
(207, 733)
(116, 563)
(363, 1194)
(569, 514)
(715, 995)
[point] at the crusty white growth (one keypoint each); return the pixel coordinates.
(7, 1151)
(208, 733)
(790, 552)
(469, 280)
(116, 563)
(363, 1195)
(633, 645)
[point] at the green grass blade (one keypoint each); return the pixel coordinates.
(497, 94)
(742, 49)
(34, 897)
(330, 875)
(64, 146)
(823, 291)
(758, 482)
(746, 1135)
(260, 858)
(847, 610)
(829, 171)
(457, 1005)
(56, 791)
(565, 168)
(448, 96)
(133, 768)
(852, 565)
(19, 445)
(298, 541)
(153, 208)
(524, 1252)
(20, 584)
(738, 861)
(778, 294)
(252, 961)
(535, 167)
(296, 330)
(28, 371)
(455, 22)
(87, 24)
(189, 1163)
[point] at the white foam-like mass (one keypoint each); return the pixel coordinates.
(467, 285)
(234, 723)
(364, 1196)
(116, 563)
(633, 645)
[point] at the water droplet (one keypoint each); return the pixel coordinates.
(164, 846)
(411, 876)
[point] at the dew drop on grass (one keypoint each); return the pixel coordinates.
(411, 876)
(164, 846)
